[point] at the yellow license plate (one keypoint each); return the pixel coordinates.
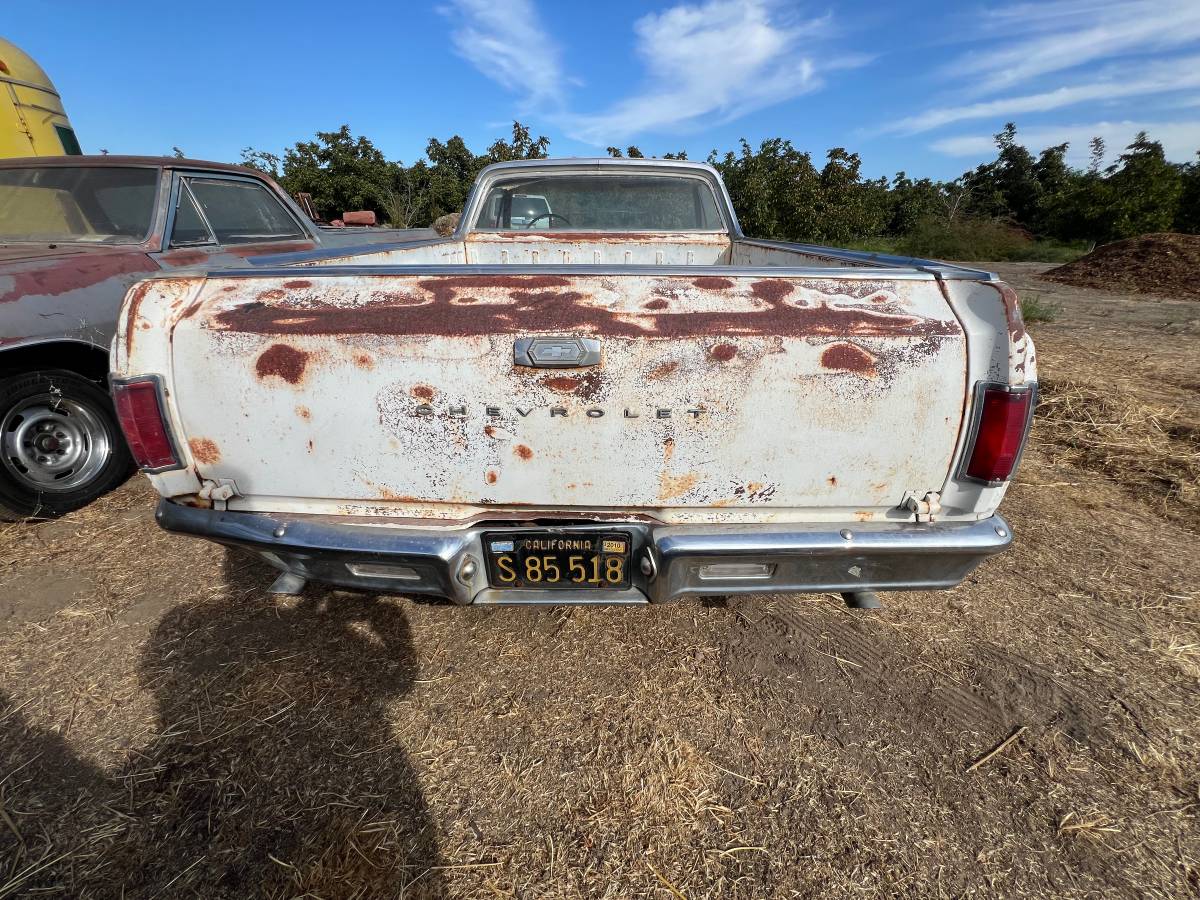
(556, 560)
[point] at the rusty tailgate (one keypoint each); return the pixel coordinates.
(727, 394)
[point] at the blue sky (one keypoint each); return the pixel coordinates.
(918, 86)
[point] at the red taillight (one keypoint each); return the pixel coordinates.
(141, 418)
(999, 433)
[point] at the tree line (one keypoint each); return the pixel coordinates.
(780, 192)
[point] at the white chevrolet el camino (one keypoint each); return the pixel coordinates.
(623, 400)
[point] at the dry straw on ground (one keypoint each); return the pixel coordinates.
(1151, 449)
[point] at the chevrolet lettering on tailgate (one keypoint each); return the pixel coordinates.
(426, 410)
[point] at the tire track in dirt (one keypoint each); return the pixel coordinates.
(908, 713)
(1029, 693)
(832, 659)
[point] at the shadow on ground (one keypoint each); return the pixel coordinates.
(272, 770)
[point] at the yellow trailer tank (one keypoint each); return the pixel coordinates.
(32, 119)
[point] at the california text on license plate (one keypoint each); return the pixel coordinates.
(547, 560)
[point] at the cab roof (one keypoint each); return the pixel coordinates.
(605, 162)
(158, 162)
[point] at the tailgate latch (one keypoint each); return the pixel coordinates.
(924, 509)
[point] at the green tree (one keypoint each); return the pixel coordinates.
(452, 168)
(522, 146)
(1144, 190)
(1055, 180)
(775, 189)
(1187, 218)
(779, 193)
(1096, 158)
(267, 163)
(910, 202)
(341, 172)
(848, 207)
(406, 203)
(1007, 188)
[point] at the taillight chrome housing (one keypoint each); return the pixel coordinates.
(999, 428)
(140, 410)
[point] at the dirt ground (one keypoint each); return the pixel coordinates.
(168, 729)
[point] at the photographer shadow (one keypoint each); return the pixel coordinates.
(273, 771)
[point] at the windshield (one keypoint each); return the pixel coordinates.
(96, 204)
(601, 203)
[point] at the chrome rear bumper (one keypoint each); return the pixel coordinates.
(669, 560)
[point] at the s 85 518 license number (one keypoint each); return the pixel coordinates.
(556, 560)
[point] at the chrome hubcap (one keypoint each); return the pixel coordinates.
(53, 443)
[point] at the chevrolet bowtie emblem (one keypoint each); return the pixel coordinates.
(557, 352)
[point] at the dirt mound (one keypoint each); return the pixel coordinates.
(1167, 264)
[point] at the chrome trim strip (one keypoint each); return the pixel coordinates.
(855, 272)
(770, 541)
(947, 270)
(301, 256)
(493, 597)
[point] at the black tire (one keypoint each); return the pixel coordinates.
(24, 491)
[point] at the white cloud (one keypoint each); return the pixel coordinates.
(1161, 78)
(1058, 35)
(708, 62)
(505, 40)
(1180, 140)
(705, 62)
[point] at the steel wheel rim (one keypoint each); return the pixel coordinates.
(53, 444)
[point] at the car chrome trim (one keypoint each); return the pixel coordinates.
(806, 557)
(757, 273)
(294, 257)
(946, 270)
